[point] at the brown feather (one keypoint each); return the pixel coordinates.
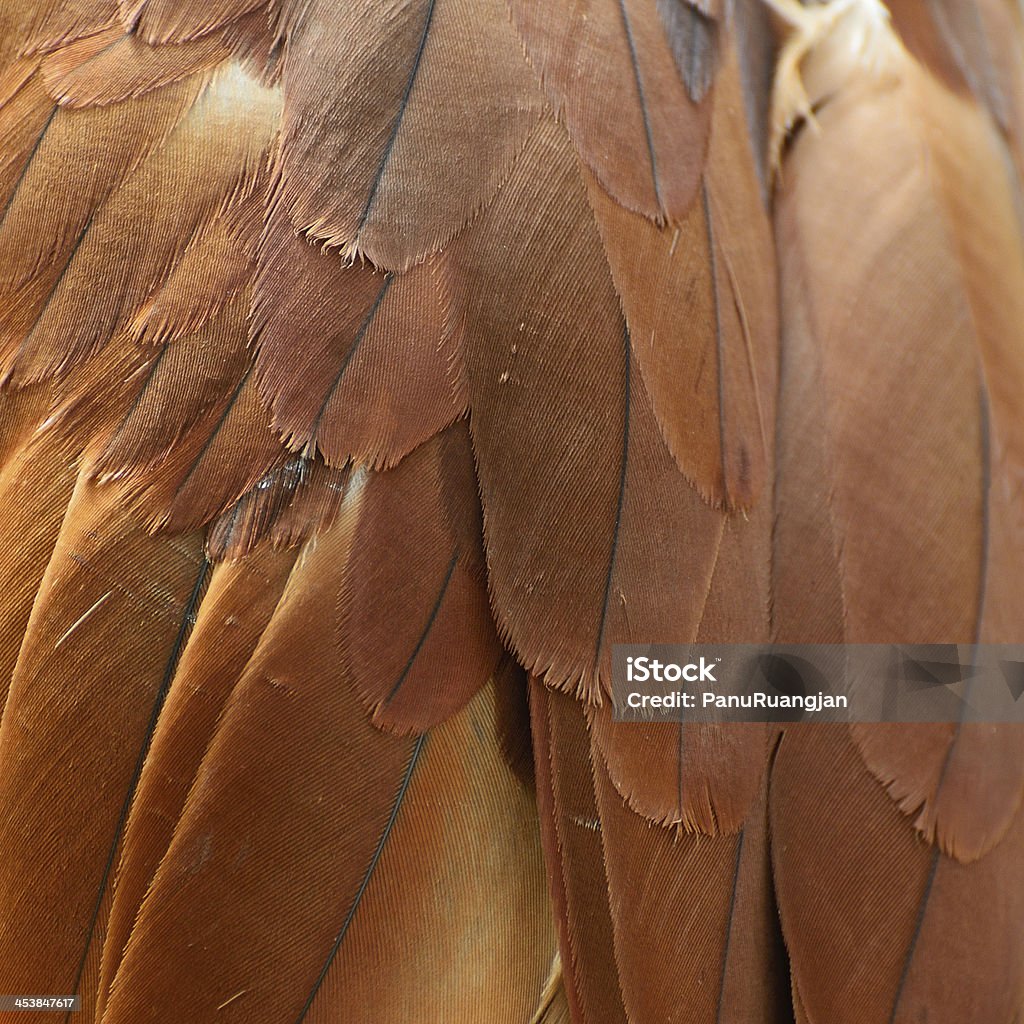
(353, 363)
(177, 389)
(586, 553)
(225, 455)
(900, 279)
(927, 32)
(683, 349)
(158, 22)
(574, 852)
(215, 267)
(414, 626)
(808, 603)
(756, 50)
(704, 355)
(79, 158)
(703, 778)
(708, 900)
(168, 405)
(234, 612)
(110, 67)
(290, 503)
(609, 73)
(186, 445)
(554, 1005)
(879, 926)
(22, 410)
(50, 24)
(693, 36)
(35, 486)
(1004, 34)
(971, 46)
(106, 578)
(921, 339)
(24, 110)
(823, 231)
(214, 792)
(214, 153)
(386, 823)
(398, 127)
(961, 782)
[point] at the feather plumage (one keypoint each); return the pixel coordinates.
(176, 21)
(111, 66)
(35, 485)
(708, 895)
(573, 848)
(55, 200)
(341, 346)
(910, 542)
(877, 923)
(235, 611)
(41, 28)
(564, 373)
(238, 120)
(345, 894)
(924, 267)
(416, 549)
(438, 102)
(610, 74)
(105, 573)
(704, 357)
(372, 374)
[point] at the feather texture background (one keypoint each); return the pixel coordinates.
(369, 371)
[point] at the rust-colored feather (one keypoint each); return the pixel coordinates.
(354, 363)
(35, 486)
(560, 371)
(51, 24)
(397, 861)
(214, 153)
(878, 924)
(176, 21)
(708, 896)
(225, 455)
(105, 577)
(899, 282)
(700, 777)
(217, 265)
(414, 626)
(610, 74)
(342, 346)
(177, 388)
(290, 503)
(437, 103)
(78, 158)
(25, 109)
(924, 327)
(574, 851)
(705, 355)
(235, 610)
(110, 66)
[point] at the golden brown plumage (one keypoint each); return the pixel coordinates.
(369, 371)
